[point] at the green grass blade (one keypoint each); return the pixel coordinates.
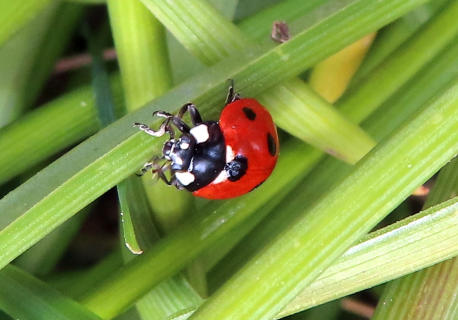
(74, 113)
(294, 106)
(146, 74)
(127, 222)
(392, 36)
(383, 255)
(173, 252)
(76, 283)
(259, 25)
(411, 244)
(15, 14)
(42, 258)
(74, 117)
(432, 79)
(99, 163)
(25, 297)
(22, 67)
(141, 52)
(415, 53)
(438, 285)
(392, 170)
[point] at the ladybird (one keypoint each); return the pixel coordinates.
(217, 159)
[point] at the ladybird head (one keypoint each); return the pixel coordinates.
(179, 152)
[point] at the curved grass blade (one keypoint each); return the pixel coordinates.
(393, 35)
(383, 255)
(438, 285)
(25, 297)
(99, 163)
(410, 57)
(294, 106)
(15, 14)
(434, 78)
(392, 170)
(411, 244)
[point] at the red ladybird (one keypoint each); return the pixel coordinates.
(218, 160)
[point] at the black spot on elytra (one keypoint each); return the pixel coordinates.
(236, 168)
(250, 114)
(271, 144)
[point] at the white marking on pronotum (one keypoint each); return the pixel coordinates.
(178, 161)
(184, 145)
(221, 177)
(200, 132)
(229, 154)
(185, 178)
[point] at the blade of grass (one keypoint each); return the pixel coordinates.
(408, 245)
(74, 113)
(76, 283)
(432, 79)
(145, 71)
(426, 43)
(15, 14)
(387, 175)
(177, 244)
(25, 297)
(99, 163)
(259, 25)
(22, 67)
(385, 254)
(173, 252)
(43, 257)
(393, 35)
(301, 112)
(74, 117)
(437, 285)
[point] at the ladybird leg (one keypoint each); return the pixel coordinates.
(160, 171)
(181, 126)
(146, 167)
(154, 164)
(231, 94)
(193, 112)
(165, 127)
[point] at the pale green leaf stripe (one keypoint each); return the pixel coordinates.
(15, 14)
(426, 43)
(404, 298)
(24, 297)
(295, 107)
(392, 170)
(73, 181)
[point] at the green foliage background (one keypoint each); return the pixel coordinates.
(336, 216)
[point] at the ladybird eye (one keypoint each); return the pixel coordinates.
(249, 113)
(167, 148)
(272, 146)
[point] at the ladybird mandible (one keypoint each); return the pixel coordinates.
(217, 159)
